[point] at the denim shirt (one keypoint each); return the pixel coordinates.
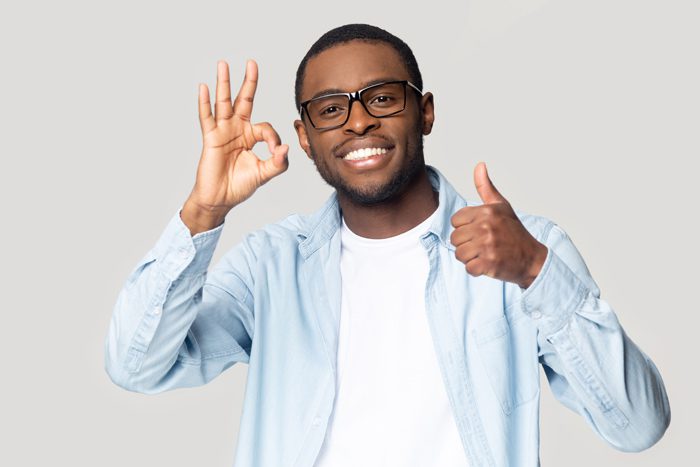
(273, 302)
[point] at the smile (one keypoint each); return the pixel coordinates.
(361, 160)
(364, 153)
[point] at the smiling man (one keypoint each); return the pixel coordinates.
(399, 325)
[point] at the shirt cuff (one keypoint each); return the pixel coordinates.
(554, 295)
(181, 253)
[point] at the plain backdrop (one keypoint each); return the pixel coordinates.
(586, 112)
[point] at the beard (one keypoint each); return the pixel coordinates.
(372, 194)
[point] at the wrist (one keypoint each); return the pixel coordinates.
(199, 218)
(539, 257)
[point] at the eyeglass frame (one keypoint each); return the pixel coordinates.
(356, 96)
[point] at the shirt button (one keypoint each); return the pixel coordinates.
(317, 421)
(536, 314)
(156, 310)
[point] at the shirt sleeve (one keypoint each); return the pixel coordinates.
(591, 364)
(170, 326)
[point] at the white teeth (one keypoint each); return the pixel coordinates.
(364, 153)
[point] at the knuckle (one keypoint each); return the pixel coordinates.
(474, 270)
(461, 254)
(491, 256)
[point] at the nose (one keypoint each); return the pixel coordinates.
(359, 120)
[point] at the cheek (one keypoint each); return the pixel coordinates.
(313, 148)
(414, 135)
(318, 145)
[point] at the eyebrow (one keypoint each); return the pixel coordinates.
(367, 84)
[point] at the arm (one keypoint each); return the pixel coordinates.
(592, 366)
(171, 327)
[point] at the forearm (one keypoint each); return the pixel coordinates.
(155, 309)
(593, 366)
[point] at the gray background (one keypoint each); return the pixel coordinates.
(585, 111)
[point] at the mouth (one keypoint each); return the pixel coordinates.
(363, 153)
(367, 158)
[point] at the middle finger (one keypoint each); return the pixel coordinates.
(223, 108)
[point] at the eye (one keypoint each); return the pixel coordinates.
(330, 110)
(381, 99)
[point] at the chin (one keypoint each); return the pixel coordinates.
(369, 195)
(374, 193)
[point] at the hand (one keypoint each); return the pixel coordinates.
(491, 240)
(229, 172)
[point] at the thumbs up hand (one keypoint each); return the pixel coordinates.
(491, 240)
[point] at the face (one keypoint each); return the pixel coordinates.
(397, 139)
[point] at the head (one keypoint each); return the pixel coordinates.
(347, 59)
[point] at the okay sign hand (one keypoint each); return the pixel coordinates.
(229, 171)
(491, 240)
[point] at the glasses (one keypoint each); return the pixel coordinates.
(379, 100)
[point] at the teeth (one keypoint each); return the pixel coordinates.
(364, 153)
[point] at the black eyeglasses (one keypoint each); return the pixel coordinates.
(379, 100)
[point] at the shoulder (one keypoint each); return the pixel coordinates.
(560, 244)
(271, 245)
(539, 227)
(546, 231)
(276, 236)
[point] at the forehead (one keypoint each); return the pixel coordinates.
(350, 66)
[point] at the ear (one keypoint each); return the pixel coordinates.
(303, 137)
(428, 112)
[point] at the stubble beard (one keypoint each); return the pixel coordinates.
(372, 194)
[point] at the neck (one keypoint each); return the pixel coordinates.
(395, 216)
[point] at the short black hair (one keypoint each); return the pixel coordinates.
(362, 32)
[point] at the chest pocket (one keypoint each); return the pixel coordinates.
(508, 350)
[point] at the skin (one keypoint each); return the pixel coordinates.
(229, 171)
(491, 240)
(397, 193)
(379, 202)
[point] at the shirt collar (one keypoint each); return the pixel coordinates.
(320, 227)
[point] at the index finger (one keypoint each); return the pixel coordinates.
(464, 216)
(243, 105)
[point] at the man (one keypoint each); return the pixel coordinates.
(398, 325)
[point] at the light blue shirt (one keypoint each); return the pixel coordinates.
(273, 302)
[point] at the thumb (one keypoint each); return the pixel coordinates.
(487, 192)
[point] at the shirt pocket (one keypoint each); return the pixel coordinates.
(508, 351)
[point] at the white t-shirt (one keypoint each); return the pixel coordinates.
(391, 406)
